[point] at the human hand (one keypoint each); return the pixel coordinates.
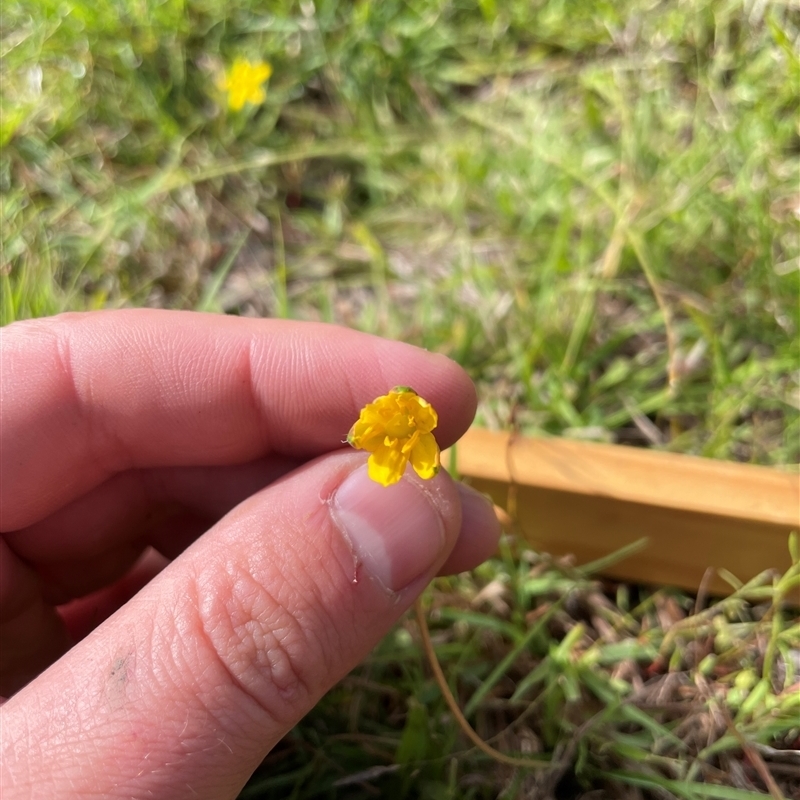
(125, 436)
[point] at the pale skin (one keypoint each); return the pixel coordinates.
(190, 558)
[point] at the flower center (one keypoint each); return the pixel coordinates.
(400, 426)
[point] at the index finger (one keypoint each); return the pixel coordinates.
(85, 396)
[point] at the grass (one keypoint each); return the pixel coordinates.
(592, 207)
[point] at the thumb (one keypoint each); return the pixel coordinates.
(185, 689)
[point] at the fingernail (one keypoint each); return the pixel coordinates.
(396, 532)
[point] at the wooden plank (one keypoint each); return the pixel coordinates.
(590, 499)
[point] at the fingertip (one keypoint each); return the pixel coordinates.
(479, 534)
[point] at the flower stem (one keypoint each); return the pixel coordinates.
(469, 731)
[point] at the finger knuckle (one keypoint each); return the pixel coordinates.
(261, 646)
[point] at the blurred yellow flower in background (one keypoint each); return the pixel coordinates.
(396, 429)
(244, 83)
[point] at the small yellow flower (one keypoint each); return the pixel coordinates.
(396, 428)
(243, 83)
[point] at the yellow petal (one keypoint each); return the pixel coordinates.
(425, 456)
(261, 71)
(243, 83)
(387, 465)
(366, 435)
(409, 444)
(257, 96)
(427, 418)
(421, 410)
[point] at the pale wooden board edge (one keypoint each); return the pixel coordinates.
(667, 480)
(589, 500)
